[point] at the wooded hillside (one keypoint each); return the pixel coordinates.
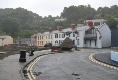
(20, 22)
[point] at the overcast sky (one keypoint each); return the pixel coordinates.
(53, 7)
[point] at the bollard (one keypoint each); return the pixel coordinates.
(31, 54)
(22, 56)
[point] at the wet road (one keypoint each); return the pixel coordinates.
(73, 66)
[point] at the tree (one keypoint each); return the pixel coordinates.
(71, 14)
(27, 33)
(112, 23)
(10, 26)
(74, 13)
(81, 21)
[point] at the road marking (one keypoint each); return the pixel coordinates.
(29, 69)
(101, 63)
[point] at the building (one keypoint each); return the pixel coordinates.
(6, 40)
(114, 37)
(61, 34)
(59, 20)
(95, 34)
(34, 40)
(40, 40)
(48, 37)
(96, 22)
(24, 42)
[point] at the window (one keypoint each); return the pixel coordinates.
(73, 34)
(56, 41)
(56, 35)
(42, 37)
(96, 23)
(42, 42)
(63, 35)
(84, 41)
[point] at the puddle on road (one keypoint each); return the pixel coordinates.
(37, 73)
(75, 74)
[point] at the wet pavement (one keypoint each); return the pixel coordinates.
(73, 66)
(10, 65)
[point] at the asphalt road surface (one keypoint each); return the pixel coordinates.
(61, 66)
(73, 66)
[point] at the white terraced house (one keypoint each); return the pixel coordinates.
(59, 36)
(96, 36)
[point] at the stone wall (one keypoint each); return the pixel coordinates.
(17, 48)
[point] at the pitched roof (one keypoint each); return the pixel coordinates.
(3, 37)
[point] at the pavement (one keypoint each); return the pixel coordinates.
(106, 58)
(74, 65)
(10, 65)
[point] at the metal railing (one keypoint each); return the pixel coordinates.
(90, 35)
